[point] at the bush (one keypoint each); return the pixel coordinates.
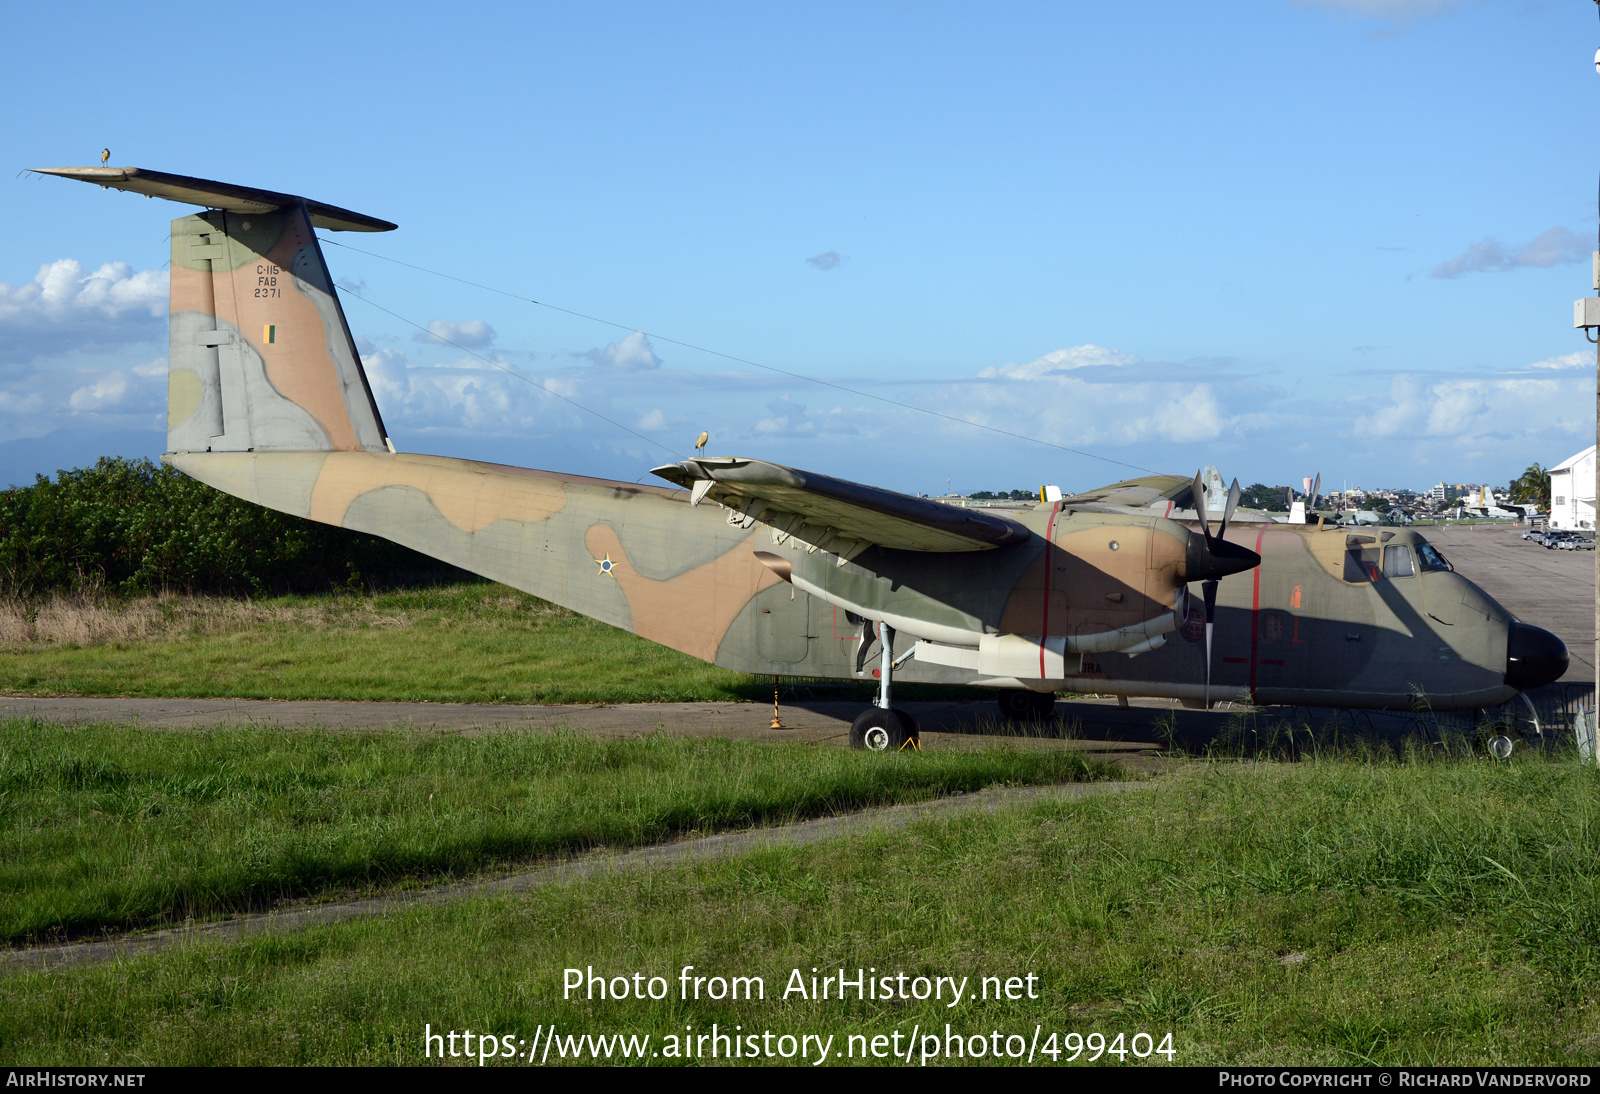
(133, 526)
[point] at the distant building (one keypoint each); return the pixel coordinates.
(1437, 493)
(1572, 492)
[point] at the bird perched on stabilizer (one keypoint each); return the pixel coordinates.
(700, 441)
(105, 156)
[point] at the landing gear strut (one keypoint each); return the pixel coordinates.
(881, 728)
(1023, 705)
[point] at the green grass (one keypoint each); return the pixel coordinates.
(472, 642)
(1328, 913)
(109, 827)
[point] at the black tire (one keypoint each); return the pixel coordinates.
(879, 730)
(1023, 705)
(1015, 705)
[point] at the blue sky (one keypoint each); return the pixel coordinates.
(1284, 238)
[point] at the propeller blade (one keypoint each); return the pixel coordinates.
(1316, 490)
(1209, 556)
(1227, 513)
(1199, 491)
(1209, 590)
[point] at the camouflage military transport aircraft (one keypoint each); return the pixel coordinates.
(766, 569)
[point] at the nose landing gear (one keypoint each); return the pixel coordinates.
(882, 728)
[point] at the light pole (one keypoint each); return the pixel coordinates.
(1586, 315)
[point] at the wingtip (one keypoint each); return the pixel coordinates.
(87, 174)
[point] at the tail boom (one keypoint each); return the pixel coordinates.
(637, 557)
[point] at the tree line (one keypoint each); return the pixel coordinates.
(133, 526)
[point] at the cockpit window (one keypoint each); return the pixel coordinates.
(1397, 562)
(1361, 565)
(1430, 558)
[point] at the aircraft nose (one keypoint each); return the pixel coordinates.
(1534, 657)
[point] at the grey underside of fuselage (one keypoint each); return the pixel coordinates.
(1432, 640)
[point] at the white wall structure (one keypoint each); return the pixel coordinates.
(1572, 492)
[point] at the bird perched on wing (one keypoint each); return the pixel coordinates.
(105, 156)
(700, 441)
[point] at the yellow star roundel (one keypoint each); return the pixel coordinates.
(605, 565)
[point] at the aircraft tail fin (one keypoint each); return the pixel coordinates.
(1216, 490)
(260, 357)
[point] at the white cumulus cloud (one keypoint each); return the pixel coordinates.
(61, 291)
(1062, 361)
(106, 392)
(65, 308)
(464, 396)
(786, 418)
(468, 335)
(1518, 407)
(631, 354)
(1088, 394)
(1576, 359)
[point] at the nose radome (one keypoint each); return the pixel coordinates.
(1534, 657)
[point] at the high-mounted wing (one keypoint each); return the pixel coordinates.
(844, 518)
(1139, 493)
(1170, 496)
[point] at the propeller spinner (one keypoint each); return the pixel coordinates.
(1211, 557)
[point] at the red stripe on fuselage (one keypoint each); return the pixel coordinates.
(1255, 611)
(1044, 620)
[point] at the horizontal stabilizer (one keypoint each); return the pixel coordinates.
(835, 515)
(217, 195)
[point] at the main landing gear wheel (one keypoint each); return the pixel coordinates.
(879, 730)
(1023, 705)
